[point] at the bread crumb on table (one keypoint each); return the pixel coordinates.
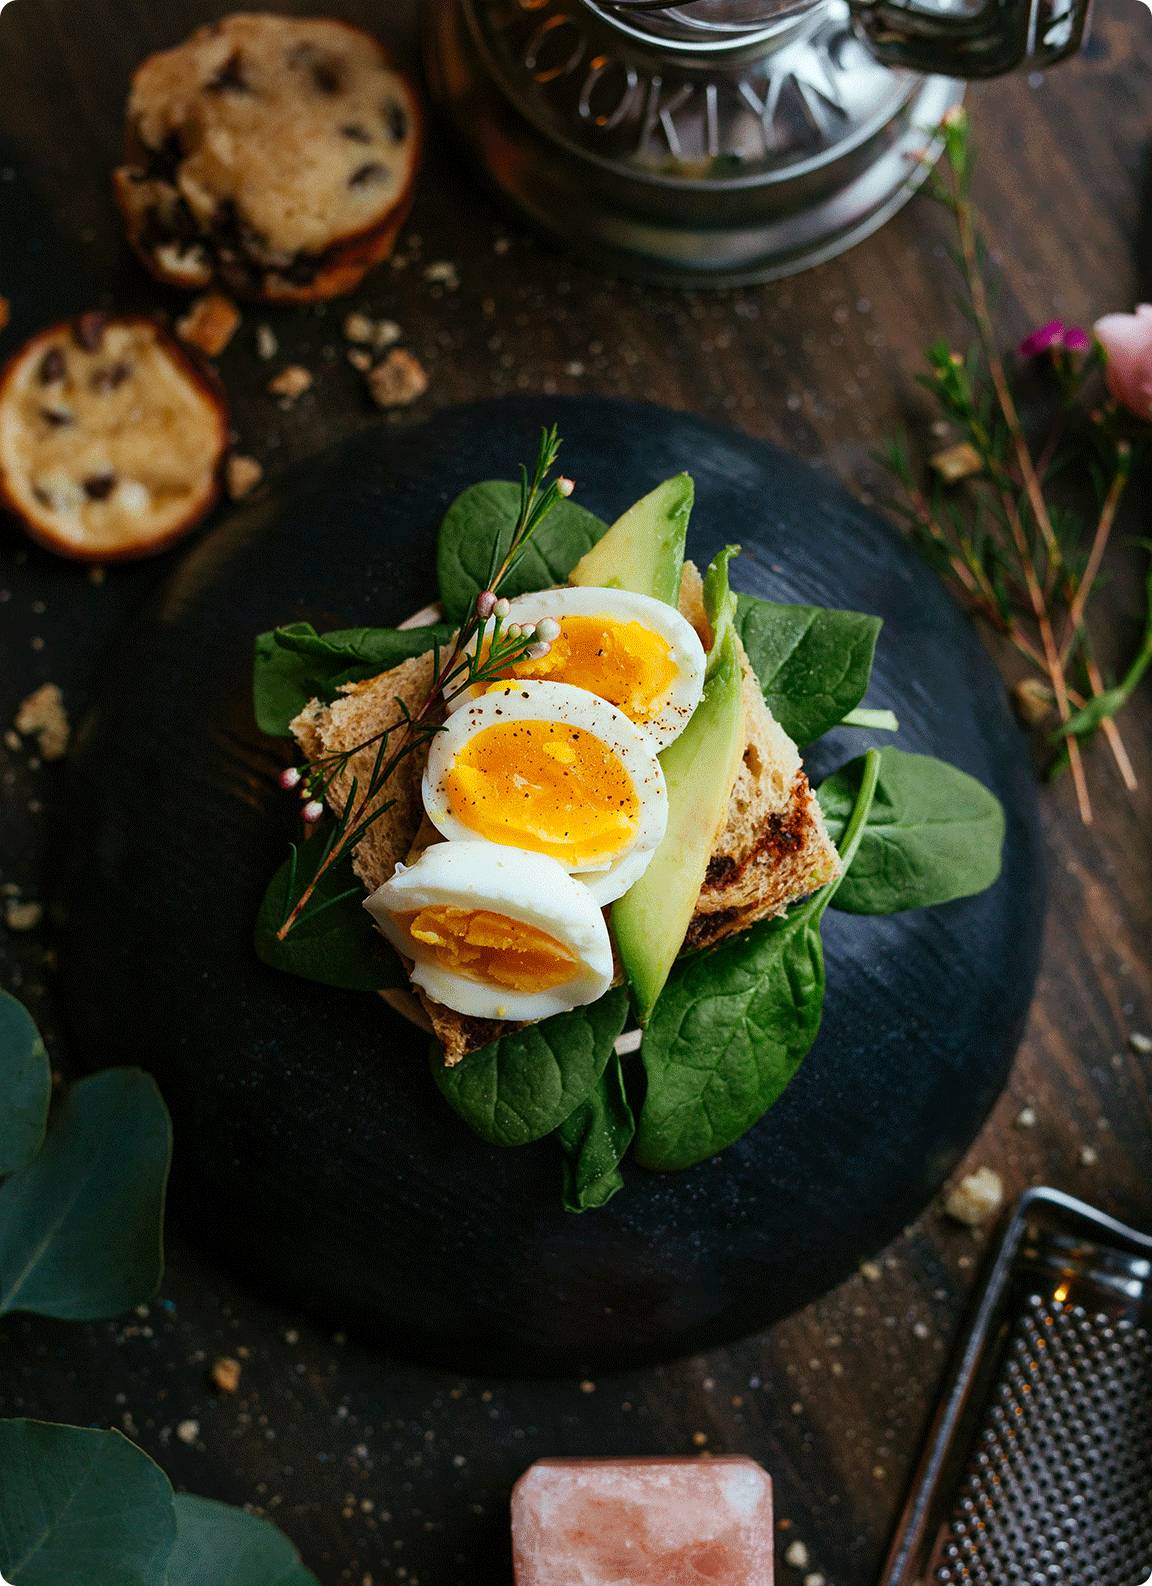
(397, 380)
(188, 1431)
(42, 716)
(22, 915)
(291, 383)
(242, 475)
(975, 1200)
(364, 331)
(210, 324)
(226, 1374)
(267, 343)
(796, 1555)
(1140, 1043)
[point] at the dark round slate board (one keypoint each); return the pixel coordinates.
(313, 1150)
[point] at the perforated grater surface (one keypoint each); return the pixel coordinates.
(1038, 1471)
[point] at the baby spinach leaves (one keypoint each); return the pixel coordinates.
(82, 1225)
(295, 664)
(335, 943)
(25, 1086)
(525, 1085)
(734, 1024)
(484, 516)
(933, 834)
(84, 1505)
(813, 664)
(594, 1140)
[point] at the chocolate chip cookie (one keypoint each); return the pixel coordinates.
(112, 437)
(274, 155)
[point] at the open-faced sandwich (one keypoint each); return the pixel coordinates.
(572, 802)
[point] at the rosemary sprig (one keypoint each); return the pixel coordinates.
(483, 651)
(1013, 539)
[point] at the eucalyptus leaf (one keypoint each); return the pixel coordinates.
(813, 664)
(81, 1508)
(594, 1140)
(25, 1086)
(334, 942)
(523, 1086)
(82, 1226)
(933, 834)
(217, 1545)
(295, 664)
(484, 516)
(734, 1024)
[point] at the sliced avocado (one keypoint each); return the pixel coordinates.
(700, 767)
(644, 550)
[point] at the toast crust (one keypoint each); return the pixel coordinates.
(774, 848)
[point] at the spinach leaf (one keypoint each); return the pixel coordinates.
(216, 1544)
(734, 1024)
(813, 664)
(933, 834)
(294, 664)
(80, 1505)
(82, 1226)
(594, 1140)
(335, 942)
(485, 515)
(526, 1084)
(25, 1086)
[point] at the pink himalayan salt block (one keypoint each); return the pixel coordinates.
(643, 1522)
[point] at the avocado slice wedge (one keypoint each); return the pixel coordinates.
(643, 551)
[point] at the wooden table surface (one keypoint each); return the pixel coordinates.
(383, 1472)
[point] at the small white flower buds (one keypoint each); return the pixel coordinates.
(312, 811)
(485, 604)
(537, 652)
(501, 608)
(565, 485)
(548, 629)
(512, 631)
(291, 778)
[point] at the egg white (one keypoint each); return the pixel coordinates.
(575, 707)
(685, 650)
(531, 888)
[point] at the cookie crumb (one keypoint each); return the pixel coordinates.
(796, 1555)
(1026, 1118)
(1089, 1156)
(364, 331)
(871, 1271)
(290, 384)
(442, 273)
(360, 358)
(398, 380)
(242, 475)
(226, 1374)
(210, 324)
(267, 343)
(587, 1387)
(976, 1199)
(42, 716)
(815, 1579)
(1140, 1043)
(188, 1431)
(22, 915)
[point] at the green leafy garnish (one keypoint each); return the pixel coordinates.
(80, 1507)
(82, 1225)
(734, 1024)
(477, 531)
(594, 1140)
(295, 664)
(25, 1086)
(217, 1545)
(933, 834)
(813, 664)
(335, 943)
(526, 1084)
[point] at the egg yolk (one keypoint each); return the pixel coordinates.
(623, 662)
(546, 786)
(492, 948)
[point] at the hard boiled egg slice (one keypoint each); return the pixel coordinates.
(494, 932)
(637, 653)
(553, 770)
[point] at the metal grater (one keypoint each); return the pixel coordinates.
(1038, 1470)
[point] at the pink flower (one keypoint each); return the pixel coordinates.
(1127, 343)
(1055, 337)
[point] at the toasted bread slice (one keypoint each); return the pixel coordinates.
(774, 848)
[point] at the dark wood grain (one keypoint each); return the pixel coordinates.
(834, 1401)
